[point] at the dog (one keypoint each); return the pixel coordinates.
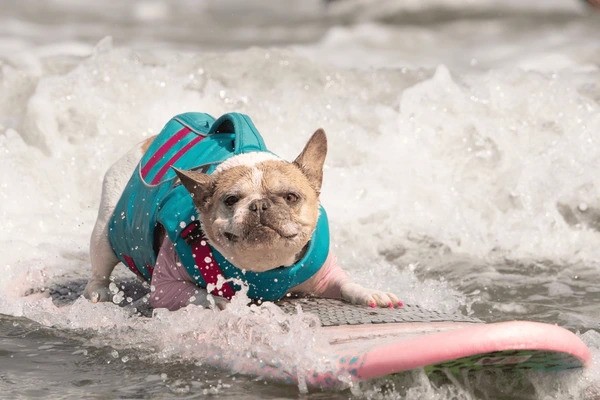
(200, 227)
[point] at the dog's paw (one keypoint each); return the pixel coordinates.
(356, 294)
(97, 292)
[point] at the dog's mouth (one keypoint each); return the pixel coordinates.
(288, 237)
(231, 237)
(257, 232)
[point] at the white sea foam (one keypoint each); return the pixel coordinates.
(487, 153)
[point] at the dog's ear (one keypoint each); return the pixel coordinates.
(312, 158)
(201, 186)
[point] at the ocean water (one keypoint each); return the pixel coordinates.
(462, 175)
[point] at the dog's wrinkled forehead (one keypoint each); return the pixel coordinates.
(247, 160)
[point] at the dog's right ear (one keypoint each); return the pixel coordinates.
(312, 158)
(201, 186)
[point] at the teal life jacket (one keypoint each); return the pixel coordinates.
(154, 200)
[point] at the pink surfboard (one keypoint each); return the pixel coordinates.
(366, 343)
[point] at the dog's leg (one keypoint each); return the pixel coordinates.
(103, 262)
(332, 282)
(357, 294)
(102, 257)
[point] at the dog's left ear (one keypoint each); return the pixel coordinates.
(312, 158)
(201, 186)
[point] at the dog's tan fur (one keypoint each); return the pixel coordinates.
(147, 143)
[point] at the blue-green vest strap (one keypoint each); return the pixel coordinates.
(247, 139)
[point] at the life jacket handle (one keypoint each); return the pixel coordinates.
(246, 136)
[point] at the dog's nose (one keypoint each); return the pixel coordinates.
(259, 205)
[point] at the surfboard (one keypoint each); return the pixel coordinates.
(364, 343)
(367, 343)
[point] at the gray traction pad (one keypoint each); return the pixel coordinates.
(336, 312)
(329, 311)
(134, 294)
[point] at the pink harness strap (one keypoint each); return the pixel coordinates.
(205, 262)
(133, 267)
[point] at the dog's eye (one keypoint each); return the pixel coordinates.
(231, 200)
(291, 197)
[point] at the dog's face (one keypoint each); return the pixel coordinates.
(257, 210)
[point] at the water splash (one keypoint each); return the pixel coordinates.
(426, 164)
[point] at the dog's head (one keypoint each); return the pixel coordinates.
(258, 210)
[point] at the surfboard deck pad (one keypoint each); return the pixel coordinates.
(333, 312)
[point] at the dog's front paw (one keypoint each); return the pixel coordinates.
(97, 292)
(356, 294)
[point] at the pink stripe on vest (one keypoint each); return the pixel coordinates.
(176, 156)
(160, 153)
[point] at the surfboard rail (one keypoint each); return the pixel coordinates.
(368, 343)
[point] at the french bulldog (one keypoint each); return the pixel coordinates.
(257, 210)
